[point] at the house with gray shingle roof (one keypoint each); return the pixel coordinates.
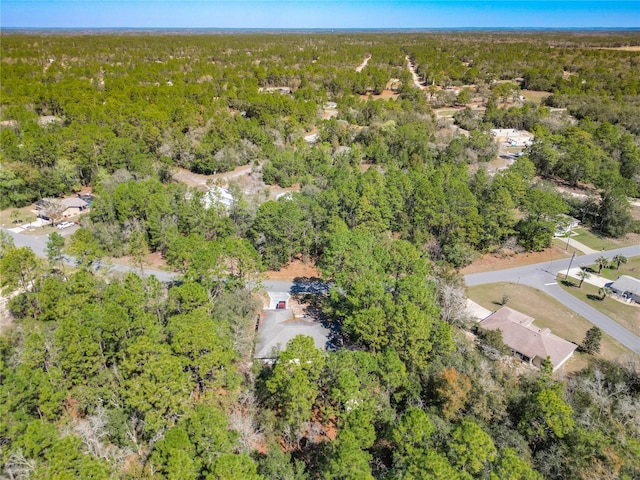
(627, 287)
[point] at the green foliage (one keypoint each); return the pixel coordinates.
(472, 448)
(278, 232)
(591, 342)
(55, 245)
(153, 380)
(383, 295)
(18, 268)
(511, 467)
(85, 248)
(293, 382)
(535, 235)
(278, 465)
(348, 460)
(614, 216)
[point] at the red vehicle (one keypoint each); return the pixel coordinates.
(281, 304)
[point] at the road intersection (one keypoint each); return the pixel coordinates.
(541, 276)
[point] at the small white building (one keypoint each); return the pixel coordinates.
(217, 196)
(512, 137)
(566, 225)
(311, 138)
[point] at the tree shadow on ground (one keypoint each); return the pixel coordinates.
(314, 311)
(313, 285)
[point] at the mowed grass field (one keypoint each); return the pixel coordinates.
(547, 313)
(631, 268)
(626, 315)
(597, 242)
(534, 96)
(14, 217)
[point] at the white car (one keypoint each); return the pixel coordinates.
(63, 225)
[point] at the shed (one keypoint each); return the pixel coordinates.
(528, 342)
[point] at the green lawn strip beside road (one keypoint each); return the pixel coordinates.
(626, 315)
(597, 242)
(631, 268)
(561, 243)
(547, 313)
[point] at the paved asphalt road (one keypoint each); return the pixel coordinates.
(541, 276)
(38, 244)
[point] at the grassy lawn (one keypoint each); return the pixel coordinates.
(626, 315)
(534, 95)
(14, 217)
(597, 242)
(548, 313)
(561, 243)
(631, 268)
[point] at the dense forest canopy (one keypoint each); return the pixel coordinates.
(127, 377)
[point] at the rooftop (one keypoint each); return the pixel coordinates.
(519, 333)
(277, 327)
(625, 283)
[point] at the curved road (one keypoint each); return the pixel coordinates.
(541, 276)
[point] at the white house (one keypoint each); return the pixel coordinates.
(512, 137)
(217, 195)
(312, 138)
(565, 225)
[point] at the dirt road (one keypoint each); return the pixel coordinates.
(198, 180)
(364, 63)
(416, 78)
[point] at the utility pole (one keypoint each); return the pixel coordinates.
(570, 262)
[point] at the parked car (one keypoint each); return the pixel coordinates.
(63, 225)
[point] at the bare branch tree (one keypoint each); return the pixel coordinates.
(18, 467)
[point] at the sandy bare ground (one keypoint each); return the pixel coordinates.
(294, 270)
(449, 112)
(494, 261)
(6, 319)
(329, 113)
(364, 63)
(385, 95)
(198, 180)
(634, 48)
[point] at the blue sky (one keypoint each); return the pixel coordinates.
(317, 13)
